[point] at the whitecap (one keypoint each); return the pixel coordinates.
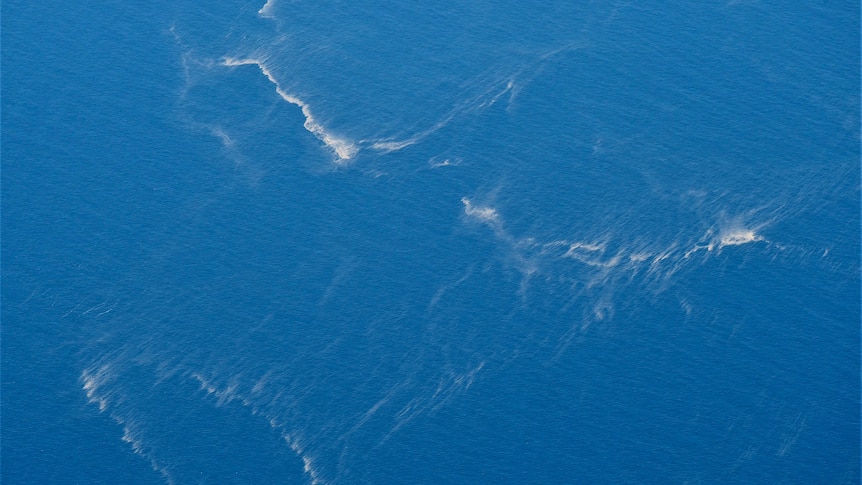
(487, 215)
(738, 236)
(266, 10)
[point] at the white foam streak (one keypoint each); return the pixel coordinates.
(266, 10)
(390, 145)
(94, 382)
(344, 149)
(434, 163)
(729, 233)
(603, 264)
(737, 237)
(231, 393)
(488, 215)
(224, 396)
(448, 387)
(222, 135)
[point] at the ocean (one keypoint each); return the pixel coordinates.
(391, 242)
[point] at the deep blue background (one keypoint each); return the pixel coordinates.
(360, 314)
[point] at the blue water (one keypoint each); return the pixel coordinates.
(498, 242)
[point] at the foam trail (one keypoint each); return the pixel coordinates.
(266, 10)
(95, 381)
(231, 393)
(729, 233)
(392, 144)
(434, 163)
(344, 149)
(487, 215)
(471, 104)
(602, 265)
(387, 146)
(737, 237)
